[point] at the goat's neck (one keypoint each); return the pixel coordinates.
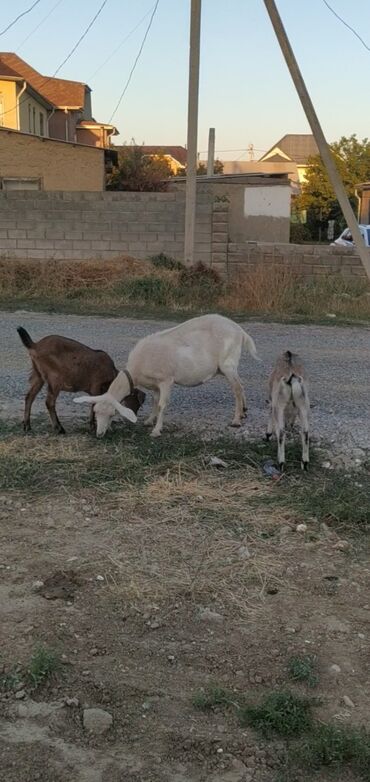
(120, 387)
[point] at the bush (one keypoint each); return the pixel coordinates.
(163, 261)
(299, 233)
(139, 172)
(147, 290)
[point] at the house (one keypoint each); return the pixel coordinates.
(363, 194)
(175, 156)
(293, 148)
(47, 106)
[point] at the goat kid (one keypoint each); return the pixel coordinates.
(288, 389)
(67, 365)
(186, 355)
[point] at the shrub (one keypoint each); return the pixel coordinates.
(163, 261)
(299, 233)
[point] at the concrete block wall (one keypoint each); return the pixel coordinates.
(73, 225)
(310, 261)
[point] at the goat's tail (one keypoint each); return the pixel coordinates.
(248, 343)
(25, 337)
(298, 390)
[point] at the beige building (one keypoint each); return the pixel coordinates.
(363, 195)
(30, 162)
(289, 155)
(46, 106)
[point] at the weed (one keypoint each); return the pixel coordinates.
(337, 498)
(163, 261)
(209, 699)
(279, 712)
(43, 664)
(329, 745)
(145, 290)
(10, 680)
(303, 669)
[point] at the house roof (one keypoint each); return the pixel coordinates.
(297, 147)
(92, 123)
(62, 93)
(178, 153)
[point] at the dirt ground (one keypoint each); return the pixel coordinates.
(189, 578)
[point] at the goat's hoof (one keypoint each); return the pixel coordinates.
(148, 422)
(304, 466)
(235, 424)
(26, 428)
(282, 466)
(267, 437)
(155, 434)
(60, 430)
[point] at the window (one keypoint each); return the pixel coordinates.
(12, 183)
(29, 119)
(34, 119)
(41, 124)
(1, 109)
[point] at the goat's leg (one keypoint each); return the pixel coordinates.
(232, 376)
(270, 426)
(51, 398)
(164, 394)
(36, 386)
(154, 411)
(92, 422)
(303, 417)
(279, 418)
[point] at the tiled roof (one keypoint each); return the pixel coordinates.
(178, 153)
(296, 146)
(60, 92)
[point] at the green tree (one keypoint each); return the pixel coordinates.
(352, 158)
(218, 167)
(139, 172)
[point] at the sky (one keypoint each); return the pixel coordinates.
(246, 92)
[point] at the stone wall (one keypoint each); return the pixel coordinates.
(310, 261)
(72, 225)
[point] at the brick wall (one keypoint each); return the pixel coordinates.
(308, 260)
(58, 164)
(36, 224)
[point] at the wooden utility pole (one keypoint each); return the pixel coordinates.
(211, 152)
(191, 167)
(317, 131)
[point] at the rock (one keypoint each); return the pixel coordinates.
(330, 315)
(171, 658)
(154, 625)
(100, 578)
(214, 461)
(342, 545)
(72, 702)
(327, 465)
(347, 702)
(301, 528)
(38, 584)
(334, 669)
(243, 552)
(20, 695)
(285, 530)
(362, 636)
(97, 721)
(206, 615)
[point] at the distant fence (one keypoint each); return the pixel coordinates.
(308, 260)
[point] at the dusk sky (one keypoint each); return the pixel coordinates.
(245, 89)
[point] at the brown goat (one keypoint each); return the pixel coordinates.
(67, 365)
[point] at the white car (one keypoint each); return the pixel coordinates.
(346, 240)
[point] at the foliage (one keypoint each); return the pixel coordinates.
(218, 167)
(162, 261)
(303, 669)
(299, 233)
(139, 172)
(43, 664)
(209, 699)
(283, 713)
(352, 158)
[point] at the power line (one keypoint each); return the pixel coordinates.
(347, 25)
(84, 34)
(39, 24)
(49, 78)
(136, 61)
(27, 11)
(121, 44)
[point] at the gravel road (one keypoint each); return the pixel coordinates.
(337, 359)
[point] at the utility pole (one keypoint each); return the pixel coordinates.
(317, 131)
(211, 152)
(191, 168)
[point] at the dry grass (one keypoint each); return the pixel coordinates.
(127, 285)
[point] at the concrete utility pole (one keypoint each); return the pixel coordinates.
(191, 168)
(211, 152)
(317, 131)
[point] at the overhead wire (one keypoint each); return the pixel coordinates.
(111, 55)
(24, 13)
(39, 24)
(135, 63)
(49, 78)
(347, 25)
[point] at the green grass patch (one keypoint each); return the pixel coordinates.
(303, 669)
(335, 747)
(213, 697)
(44, 663)
(281, 713)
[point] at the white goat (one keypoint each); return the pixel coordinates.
(186, 355)
(288, 388)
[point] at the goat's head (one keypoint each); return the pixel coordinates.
(105, 406)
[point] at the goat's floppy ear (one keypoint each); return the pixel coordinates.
(89, 400)
(125, 412)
